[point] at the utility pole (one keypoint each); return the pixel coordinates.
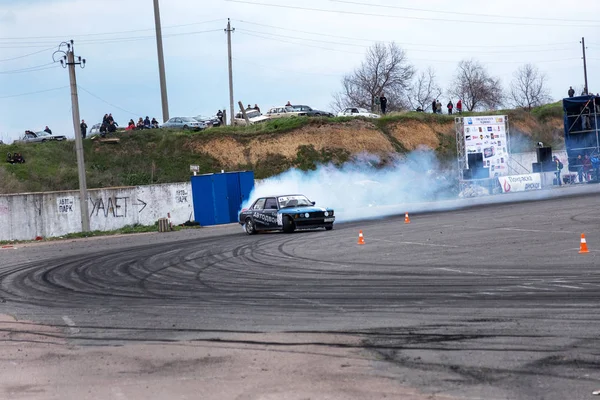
(229, 30)
(69, 61)
(161, 63)
(586, 89)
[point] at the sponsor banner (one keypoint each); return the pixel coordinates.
(487, 135)
(520, 183)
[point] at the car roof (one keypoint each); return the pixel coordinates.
(280, 195)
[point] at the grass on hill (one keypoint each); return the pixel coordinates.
(164, 156)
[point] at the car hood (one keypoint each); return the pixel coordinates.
(298, 210)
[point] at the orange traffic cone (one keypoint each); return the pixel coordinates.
(361, 239)
(406, 219)
(583, 246)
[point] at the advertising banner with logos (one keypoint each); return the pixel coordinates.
(488, 135)
(520, 183)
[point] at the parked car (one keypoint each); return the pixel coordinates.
(312, 112)
(39, 137)
(212, 121)
(286, 213)
(357, 112)
(184, 123)
(254, 116)
(284, 112)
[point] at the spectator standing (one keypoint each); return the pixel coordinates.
(571, 91)
(459, 106)
(587, 167)
(450, 106)
(256, 107)
(220, 116)
(105, 119)
(579, 168)
(288, 104)
(438, 106)
(433, 106)
(559, 167)
(83, 127)
(383, 103)
(48, 130)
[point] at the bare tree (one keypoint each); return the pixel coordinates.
(475, 87)
(528, 88)
(424, 90)
(385, 70)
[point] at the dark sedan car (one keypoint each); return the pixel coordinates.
(312, 112)
(285, 213)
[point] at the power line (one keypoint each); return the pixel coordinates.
(104, 101)
(30, 69)
(406, 44)
(31, 93)
(408, 17)
(301, 44)
(415, 50)
(285, 70)
(462, 13)
(27, 55)
(109, 33)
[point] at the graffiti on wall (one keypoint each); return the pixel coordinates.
(181, 196)
(115, 207)
(65, 204)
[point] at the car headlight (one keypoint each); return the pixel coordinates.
(326, 214)
(306, 215)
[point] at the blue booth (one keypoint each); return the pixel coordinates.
(218, 198)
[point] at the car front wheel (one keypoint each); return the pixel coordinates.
(328, 228)
(288, 225)
(249, 226)
(185, 127)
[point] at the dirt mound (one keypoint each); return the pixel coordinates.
(413, 134)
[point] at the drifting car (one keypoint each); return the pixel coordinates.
(285, 213)
(254, 116)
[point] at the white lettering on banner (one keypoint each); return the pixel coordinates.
(520, 183)
(65, 205)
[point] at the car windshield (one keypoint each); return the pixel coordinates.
(253, 114)
(42, 133)
(363, 110)
(293, 201)
(188, 119)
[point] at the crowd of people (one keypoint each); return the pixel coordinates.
(15, 158)
(142, 123)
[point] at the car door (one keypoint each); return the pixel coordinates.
(270, 213)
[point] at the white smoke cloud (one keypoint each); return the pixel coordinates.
(360, 190)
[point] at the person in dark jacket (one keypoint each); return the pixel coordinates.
(83, 127)
(450, 106)
(433, 107)
(147, 124)
(48, 130)
(571, 91)
(383, 103)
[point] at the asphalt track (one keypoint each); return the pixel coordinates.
(489, 302)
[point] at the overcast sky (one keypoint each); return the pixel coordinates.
(280, 52)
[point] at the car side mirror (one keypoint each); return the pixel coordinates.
(313, 202)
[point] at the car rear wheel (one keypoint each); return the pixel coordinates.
(249, 226)
(288, 225)
(328, 228)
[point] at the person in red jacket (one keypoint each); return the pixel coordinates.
(459, 106)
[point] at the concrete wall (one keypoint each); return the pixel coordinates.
(25, 216)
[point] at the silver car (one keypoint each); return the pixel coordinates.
(39, 137)
(184, 123)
